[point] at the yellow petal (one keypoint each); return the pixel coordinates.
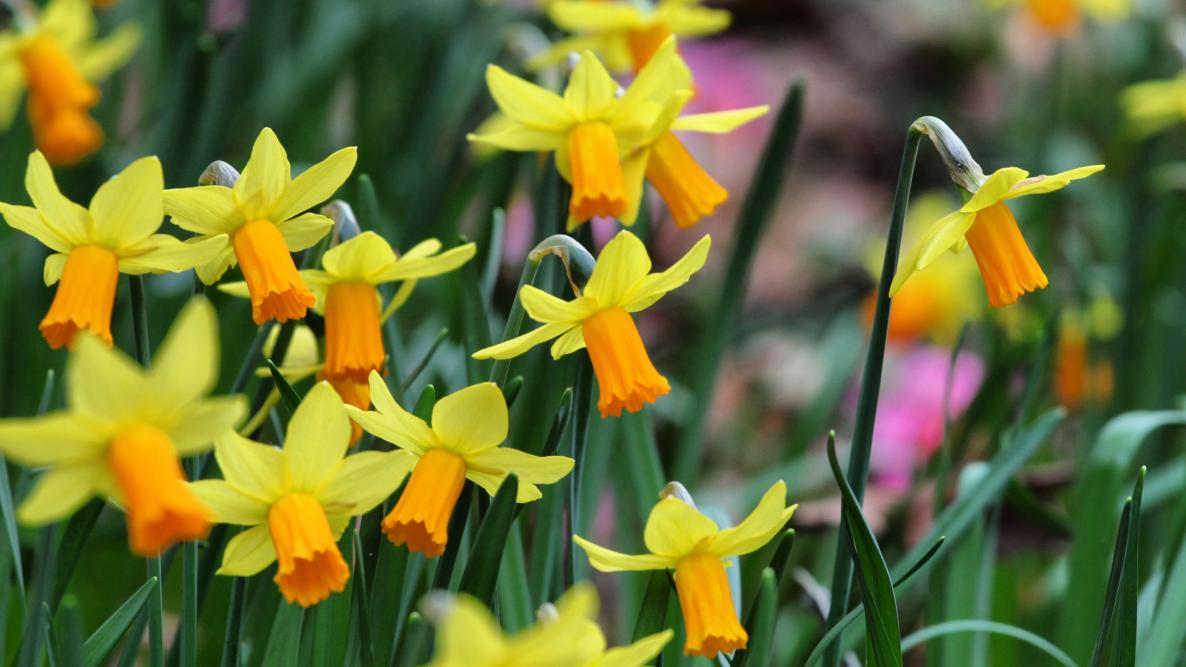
(186, 366)
(12, 85)
(206, 422)
(468, 636)
(228, 504)
(209, 273)
(518, 138)
(265, 178)
(641, 652)
(586, 16)
(424, 267)
(362, 481)
(654, 286)
(674, 528)
(663, 75)
(58, 493)
(204, 209)
(316, 184)
(161, 253)
(528, 103)
(238, 289)
(423, 249)
(248, 553)
(520, 344)
(634, 169)
(946, 234)
(54, 439)
(317, 438)
(304, 230)
(571, 341)
(762, 525)
(622, 263)
(995, 188)
(105, 56)
(606, 560)
(103, 383)
(360, 258)
(69, 219)
(390, 422)
(544, 307)
(28, 220)
(255, 470)
(591, 89)
(471, 419)
(689, 20)
(1038, 185)
(491, 482)
(55, 264)
(528, 468)
(719, 122)
(129, 207)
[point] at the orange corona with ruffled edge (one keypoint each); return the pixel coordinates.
(597, 185)
(706, 602)
(277, 291)
(626, 378)
(310, 564)
(353, 340)
(84, 297)
(1005, 260)
(421, 517)
(689, 191)
(59, 102)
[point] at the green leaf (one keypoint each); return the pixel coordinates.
(97, 647)
(284, 641)
(481, 572)
(287, 393)
(1116, 643)
(419, 368)
(652, 613)
(424, 404)
(760, 624)
(413, 646)
(951, 627)
(37, 617)
(877, 591)
(69, 634)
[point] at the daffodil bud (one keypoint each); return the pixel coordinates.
(679, 492)
(437, 605)
(578, 263)
(547, 613)
(345, 224)
(219, 173)
(963, 169)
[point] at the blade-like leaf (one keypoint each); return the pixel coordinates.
(96, 648)
(760, 624)
(481, 572)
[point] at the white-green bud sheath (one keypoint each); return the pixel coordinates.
(963, 169)
(219, 173)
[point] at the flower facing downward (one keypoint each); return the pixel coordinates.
(681, 538)
(462, 443)
(297, 500)
(261, 220)
(122, 431)
(986, 224)
(599, 320)
(117, 234)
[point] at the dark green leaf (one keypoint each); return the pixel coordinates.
(652, 614)
(99, 645)
(287, 393)
(760, 624)
(481, 572)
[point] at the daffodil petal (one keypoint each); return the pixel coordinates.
(104, 384)
(361, 481)
(390, 422)
(423, 249)
(719, 122)
(527, 467)
(1038, 185)
(228, 504)
(528, 103)
(571, 341)
(690, 20)
(674, 528)
(112, 52)
(237, 289)
(607, 560)
(944, 235)
(518, 138)
(210, 272)
(622, 263)
(426, 267)
(161, 253)
(248, 553)
(318, 436)
(755, 530)
(58, 493)
(68, 218)
(304, 230)
(654, 286)
(590, 89)
(585, 16)
(663, 75)
(360, 258)
(520, 344)
(316, 184)
(256, 470)
(265, 178)
(472, 418)
(54, 439)
(128, 208)
(546, 308)
(28, 220)
(204, 209)
(469, 636)
(994, 189)
(55, 264)
(201, 425)
(186, 367)
(641, 652)
(634, 169)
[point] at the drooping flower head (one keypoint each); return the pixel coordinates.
(680, 538)
(117, 234)
(261, 220)
(627, 34)
(986, 224)
(599, 320)
(462, 443)
(590, 128)
(1152, 106)
(564, 636)
(297, 501)
(1063, 17)
(122, 431)
(56, 57)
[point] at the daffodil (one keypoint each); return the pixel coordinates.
(1152, 106)
(599, 319)
(56, 57)
(689, 191)
(297, 500)
(627, 33)
(117, 234)
(1062, 17)
(462, 443)
(122, 431)
(564, 636)
(261, 220)
(681, 538)
(986, 224)
(590, 128)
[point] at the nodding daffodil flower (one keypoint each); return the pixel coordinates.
(122, 431)
(1152, 106)
(565, 635)
(689, 191)
(626, 33)
(261, 220)
(679, 537)
(462, 443)
(599, 320)
(117, 234)
(1063, 17)
(297, 500)
(590, 128)
(57, 58)
(986, 224)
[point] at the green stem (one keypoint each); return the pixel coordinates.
(580, 432)
(502, 367)
(862, 437)
(139, 319)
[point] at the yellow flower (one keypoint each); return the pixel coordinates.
(1152, 106)
(599, 319)
(986, 224)
(565, 636)
(681, 538)
(689, 191)
(261, 220)
(1062, 17)
(627, 34)
(297, 500)
(462, 443)
(590, 128)
(117, 234)
(122, 431)
(58, 60)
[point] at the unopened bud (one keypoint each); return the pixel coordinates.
(677, 491)
(219, 173)
(960, 165)
(345, 224)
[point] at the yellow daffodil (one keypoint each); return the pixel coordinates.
(626, 33)
(117, 234)
(590, 128)
(122, 431)
(1063, 17)
(564, 636)
(261, 220)
(679, 537)
(57, 58)
(1152, 106)
(462, 443)
(689, 191)
(599, 319)
(986, 224)
(297, 500)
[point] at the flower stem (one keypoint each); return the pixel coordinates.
(862, 437)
